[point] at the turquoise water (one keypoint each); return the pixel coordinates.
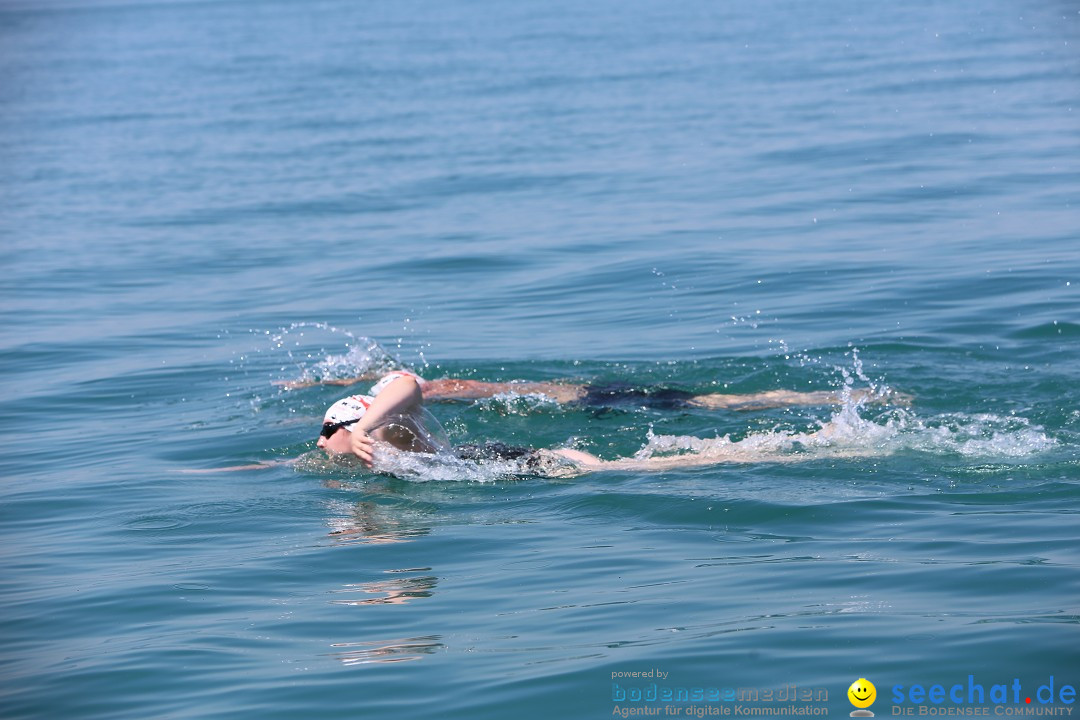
(200, 199)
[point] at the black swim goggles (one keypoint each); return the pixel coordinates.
(329, 429)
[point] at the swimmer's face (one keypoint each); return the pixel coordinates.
(339, 443)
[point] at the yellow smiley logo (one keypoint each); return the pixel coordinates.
(862, 693)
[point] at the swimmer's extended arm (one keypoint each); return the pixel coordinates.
(455, 389)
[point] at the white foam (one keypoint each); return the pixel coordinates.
(849, 434)
(434, 467)
(853, 432)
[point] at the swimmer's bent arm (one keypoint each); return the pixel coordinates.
(402, 397)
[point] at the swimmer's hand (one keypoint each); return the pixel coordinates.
(362, 446)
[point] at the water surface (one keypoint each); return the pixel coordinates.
(203, 198)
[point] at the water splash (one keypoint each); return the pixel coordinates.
(313, 362)
(443, 466)
(848, 434)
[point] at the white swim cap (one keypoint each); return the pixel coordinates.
(346, 409)
(391, 377)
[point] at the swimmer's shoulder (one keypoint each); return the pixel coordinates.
(393, 375)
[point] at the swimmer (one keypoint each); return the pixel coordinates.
(622, 394)
(393, 414)
(392, 418)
